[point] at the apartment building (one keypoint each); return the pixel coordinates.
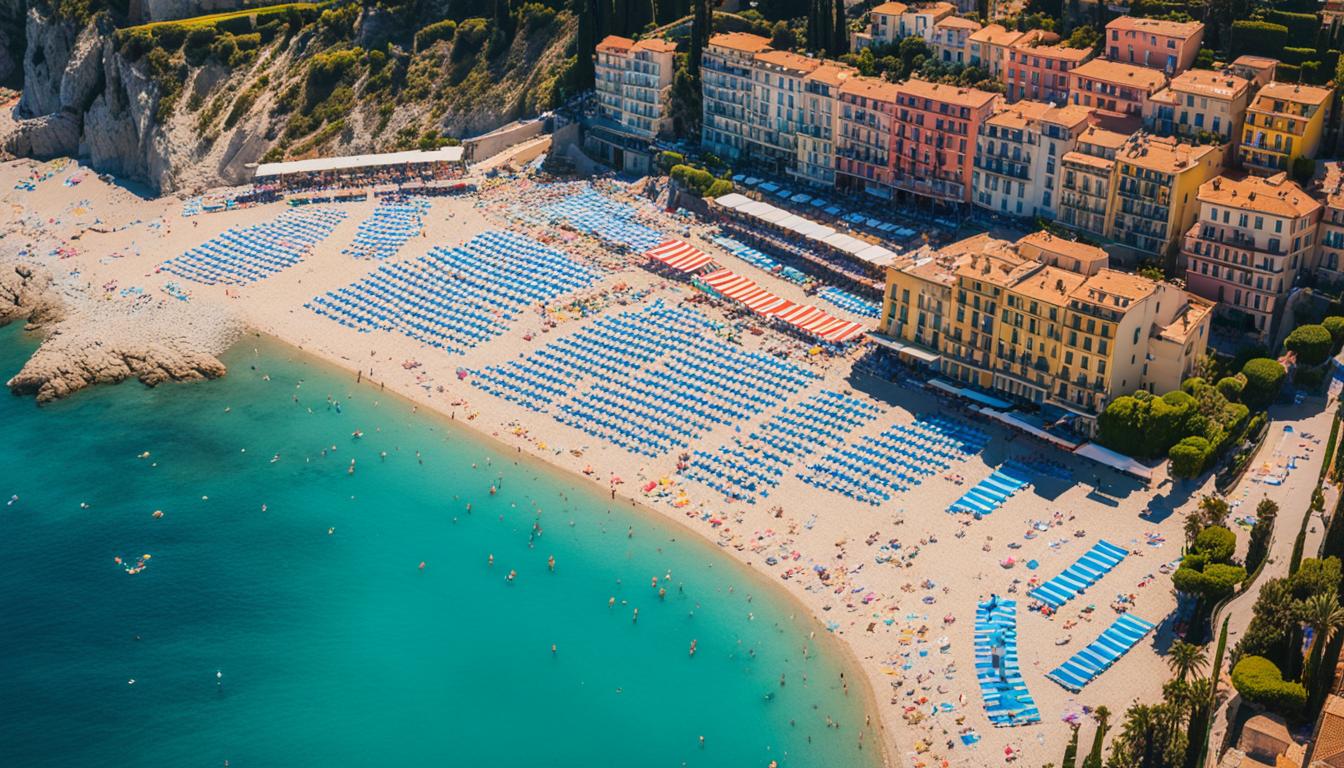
(726, 78)
(1157, 181)
(1087, 186)
(951, 39)
(863, 146)
(987, 48)
(1285, 121)
(919, 20)
(1113, 89)
(1170, 46)
(1253, 238)
(1330, 260)
(632, 80)
(775, 110)
(1041, 72)
(1044, 320)
(1260, 70)
(1018, 155)
(816, 139)
(1200, 102)
(891, 22)
(934, 129)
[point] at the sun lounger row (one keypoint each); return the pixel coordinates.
(849, 302)
(1007, 700)
(1086, 665)
(453, 299)
(1095, 563)
(748, 469)
(614, 347)
(391, 225)
(989, 494)
(242, 255)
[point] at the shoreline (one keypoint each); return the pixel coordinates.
(847, 656)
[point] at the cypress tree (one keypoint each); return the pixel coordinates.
(585, 42)
(841, 32)
(700, 23)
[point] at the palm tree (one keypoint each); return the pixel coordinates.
(1184, 658)
(1093, 759)
(1134, 746)
(1194, 523)
(1322, 613)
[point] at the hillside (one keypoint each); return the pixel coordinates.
(189, 104)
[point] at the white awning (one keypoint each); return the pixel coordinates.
(1031, 429)
(411, 157)
(877, 256)
(733, 200)
(905, 348)
(1114, 460)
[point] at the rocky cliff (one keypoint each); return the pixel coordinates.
(188, 106)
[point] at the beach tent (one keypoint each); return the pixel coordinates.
(679, 255)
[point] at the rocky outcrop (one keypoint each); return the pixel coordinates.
(27, 291)
(67, 363)
(120, 136)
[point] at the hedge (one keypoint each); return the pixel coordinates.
(1259, 37)
(1335, 325)
(697, 180)
(1258, 679)
(1311, 344)
(1189, 456)
(1216, 543)
(1300, 26)
(1264, 377)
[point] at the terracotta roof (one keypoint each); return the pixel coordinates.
(1181, 29)
(832, 73)
(950, 94)
(1062, 245)
(996, 34)
(657, 45)
(1330, 738)
(871, 88)
(789, 60)
(1086, 159)
(740, 41)
(1022, 113)
(1165, 155)
(1298, 94)
(1123, 74)
(615, 43)
(1209, 83)
(1276, 195)
(1184, 325)
(956, 22)
(890, 9)
(1051, 284)
(1255, 62)
(1103, 138)
(1056, 52)
(1099, 288)
(937, 9)
(1001, 267)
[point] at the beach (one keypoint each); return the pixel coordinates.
(897, 583)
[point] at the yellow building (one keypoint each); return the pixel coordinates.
(1285, 121)
(1087, 182)
(1157, 193)
(1044, 320)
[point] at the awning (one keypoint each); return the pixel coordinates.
(680, 255)
(919, 353)
(1031, 429)
(1114, 460)
(970, 394)
(733, 200)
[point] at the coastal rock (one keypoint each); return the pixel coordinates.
(26, 292)
(48, 136)
(50, 42)
(120, 136)
(64, 365)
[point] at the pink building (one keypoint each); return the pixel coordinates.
(933, 134)
(1170, 46)
(1041, 72)
(1119, 90)
(863, 142)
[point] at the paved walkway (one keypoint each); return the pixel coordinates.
(1294, 499)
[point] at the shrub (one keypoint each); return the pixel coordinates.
(1258, 37)
(719, 188)
(1334, 324)
(1216, 544)
(135, 43)
(536, 16)
(667, 159)
(1189, 456)
(1259, 680)
(1311, 344)
(432, 33)
(1264, 377)
(1210, 582)
(1230, 387)
(697, 180)
(170, 37)
(471, 35)
(235, 25)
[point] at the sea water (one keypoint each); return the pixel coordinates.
(283, 618)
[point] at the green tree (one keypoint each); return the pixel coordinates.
(1264, 377)
(1311, 344)
(1102, 716)
(839, 31)
(1320, 612)
(1071, 750)
(1184, 658)
(1213, 509)
(1334, 323)
(1189, 456)
(1266, 512)
(1257, 679)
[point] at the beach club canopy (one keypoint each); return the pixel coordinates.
(1114, 460)
(679, 255)
(805, 317)
(733, 200)
(348, 162)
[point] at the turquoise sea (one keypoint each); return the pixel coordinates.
(283, 618)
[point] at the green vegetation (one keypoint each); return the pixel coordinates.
(1190, 426)
(214, 19)
(1311, 344)
(1266, 512)
(1257, 679)
(700, 181)
(1264, 377)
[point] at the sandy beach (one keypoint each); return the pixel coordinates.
(896, 583)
